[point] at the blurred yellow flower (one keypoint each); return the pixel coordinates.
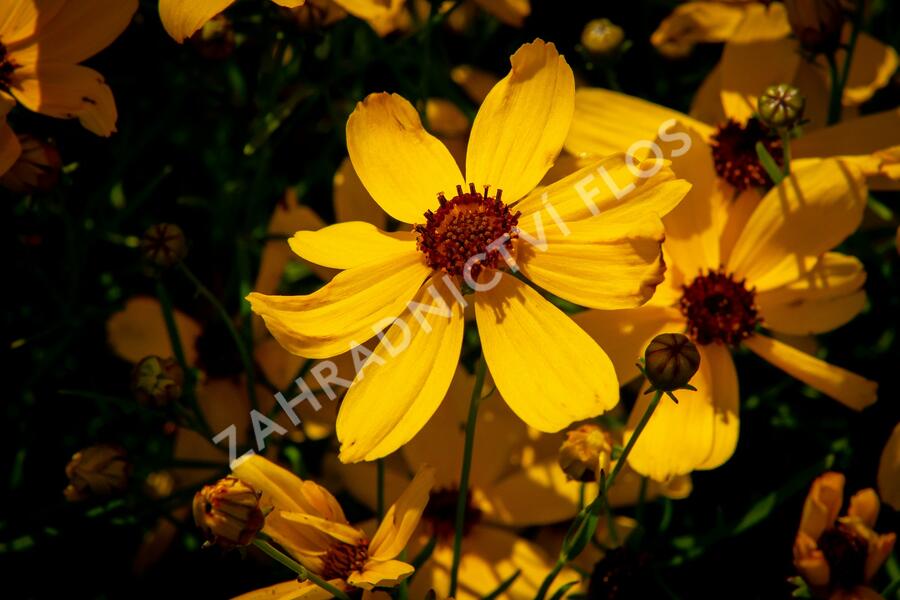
(307, 521)
(838, 556)
(533, 349)
(10, 149)
(41, 44)
(889, 470)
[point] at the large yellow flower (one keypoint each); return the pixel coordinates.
(41, 44)
(183, 18)
(736, 265)
(308, 522)
(548, 370)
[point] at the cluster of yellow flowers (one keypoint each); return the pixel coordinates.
(720, 225)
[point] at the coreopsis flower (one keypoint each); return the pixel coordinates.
(41, 44)
(228, 512)
(585, 453)
(602, 37)
(889, 470)
(515, 481)
(96, 471)
(183, 18)
(37, 168)
(838, 556)
(759, 52)
(736, 267)
(157, 381)
(533, 349)
(308, 522)
(670, 360)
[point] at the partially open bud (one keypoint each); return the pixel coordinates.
(96, 471)
(37, 168)
(164, 244)
(586, 451)
(157, 381)
(781, 106)
(602, 37)
(817, 23)
(228, 512)
(670, 361)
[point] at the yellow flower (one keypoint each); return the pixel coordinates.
(838, 556)
(183, 18)
(533, 349)
(41, 45)
(515, 482)
(10, 149)
(308, 522)
(889, 470)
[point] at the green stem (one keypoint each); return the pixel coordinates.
(461, 502)
(633, 440)
(839, 80)
(300, 570)
(226, 318)
(768, 163)
(785, 151)
(379, 504)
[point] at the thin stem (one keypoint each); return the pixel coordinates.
(785, 151)
(379, 504)
(300, 570)
(461, 502)
(226, 318)
(839, 82)
(633, 440)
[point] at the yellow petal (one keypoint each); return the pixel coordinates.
(762, 23)
(20, 19)
(344, 312)
(291, 590)
(10, 149)
(700, 432)
(707, 103)
(611, 261)
(822, 504)
(351, 200)
(864, 505)
(339, 531)
(624, 334)
(353, 244)
(847, 388)
(182, 18)
(445, 118)
(536, 352)
(696, 22)
(82, 28)
(523, 122)
(874, 63)
(407, 383)
(378, 573)
(749, 68)
(401, 165)
(474, 82)
(889, 470)
(402, 517)
(139, 330)
(67, 91)
(816, 316)
(861, 136)
(511, 12)
(806, 215)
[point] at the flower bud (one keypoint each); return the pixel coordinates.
(670, 361)
(602, 37)
(96, 471)
(215, 40)
(157, 381)
(37, 168)
(164, 244)
(228, 512)
(817, 23)
(781, 106)
(586, 451)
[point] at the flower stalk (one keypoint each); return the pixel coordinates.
(302, 572)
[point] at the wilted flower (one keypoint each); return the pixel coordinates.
(585, 453)
(228, 512)
(37, 168)
(96, 471)
(157, 380)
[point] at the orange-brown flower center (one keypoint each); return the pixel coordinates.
(342, 559)
(719, 309)
(440, 512)
(7, 66)
(734, 153)
(846, 552)
(467, 232)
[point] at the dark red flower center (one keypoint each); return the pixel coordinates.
(342, 559)
(7, 66)
(719, 309)
(846, 552)
(467, 232)
(734, 153)
(440, 513)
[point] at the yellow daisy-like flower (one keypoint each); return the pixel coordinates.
(889, 470)
(736, 265)
(41, 44)
(548, 370)
(308, 523)
(838, 556)
(183, 18)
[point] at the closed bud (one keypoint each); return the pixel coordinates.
(37, 168)
(228, 512)
(781, 106)
(157, 381)
(164, 244)
(215, 40)
(670, 361)
(817, 23)
(585, 453)
(96, 471)
(602, 37)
